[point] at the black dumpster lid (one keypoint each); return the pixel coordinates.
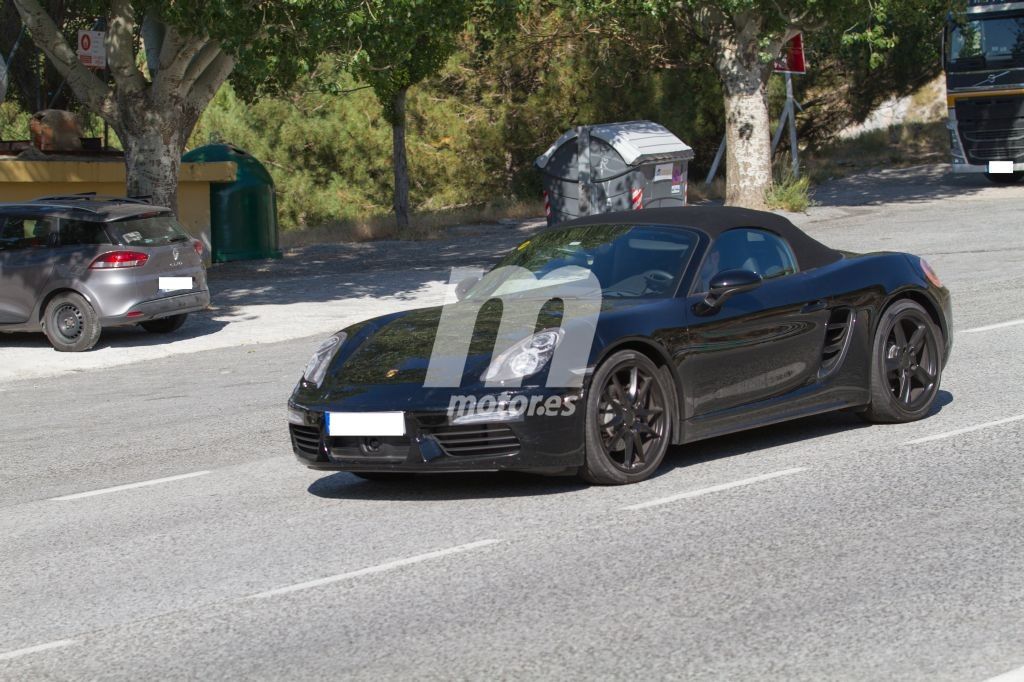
(637, 142)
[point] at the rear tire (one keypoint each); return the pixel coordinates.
(165, 325)
(906, 365)
(71, 323)
(629, 424)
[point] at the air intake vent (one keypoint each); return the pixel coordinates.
(305, 439)
(837, 340)
(476, 440)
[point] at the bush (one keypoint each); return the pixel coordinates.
(790, 194)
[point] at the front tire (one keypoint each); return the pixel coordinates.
(71, 323)
(628, 424)
(165, 325)
(906, 365)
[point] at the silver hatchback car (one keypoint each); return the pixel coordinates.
(72, 265)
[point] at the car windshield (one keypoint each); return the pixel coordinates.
(995, 41)
(157, 230)
(628, 261)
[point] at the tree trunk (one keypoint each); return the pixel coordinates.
(152, 159)
(399, 159)
(748, 135)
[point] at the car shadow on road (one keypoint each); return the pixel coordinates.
(197, 326)
(904, 185)
(786, 433)
(442, 487)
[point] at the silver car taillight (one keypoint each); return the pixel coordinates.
(119, 259)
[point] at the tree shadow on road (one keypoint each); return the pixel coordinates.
(905, 185)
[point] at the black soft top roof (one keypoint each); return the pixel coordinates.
(714, 220)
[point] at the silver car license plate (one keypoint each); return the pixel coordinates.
(175, 283)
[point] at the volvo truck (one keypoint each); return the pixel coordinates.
(983, 55)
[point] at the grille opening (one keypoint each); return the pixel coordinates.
(306, 439)
(837, 336)
(992, 128)
(471, 440)
(395, 448)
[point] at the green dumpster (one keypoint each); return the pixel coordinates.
(243, 213)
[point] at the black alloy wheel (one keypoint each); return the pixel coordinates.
(907, 365)
(628, 420)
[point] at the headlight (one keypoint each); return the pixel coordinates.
(527, 357)
(316, 368)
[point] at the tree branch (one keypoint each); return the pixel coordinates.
(200, 63)
(120, 44)
(175, 57)
(207, 84)
(89, 89)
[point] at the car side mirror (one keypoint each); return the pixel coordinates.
(464, 285)
(727, 284)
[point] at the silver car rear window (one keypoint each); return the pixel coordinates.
(153, 231)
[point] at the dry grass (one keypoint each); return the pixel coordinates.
(697, 192)
(899, 146)
(425, 225)
(790, 193)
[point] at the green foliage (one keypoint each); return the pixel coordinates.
(13, 122)
(274, 42)
(401, 42)
(790, 194)
(474, 129)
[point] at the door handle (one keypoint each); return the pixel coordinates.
(815, 306)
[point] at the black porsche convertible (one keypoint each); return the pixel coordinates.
(695, 322)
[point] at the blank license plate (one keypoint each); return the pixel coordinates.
(365, 423)
(1000, 166)
(175, 283)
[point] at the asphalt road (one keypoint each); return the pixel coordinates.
(821, 549)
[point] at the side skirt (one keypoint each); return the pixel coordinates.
(804, 402)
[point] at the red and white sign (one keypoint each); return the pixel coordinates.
(91, 50)
(792, 58)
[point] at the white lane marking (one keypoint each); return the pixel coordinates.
(375, 569)
(129, 486)
(17, 653)
(712, 489)
(990, 327)
(1012, 676)
(969, 429)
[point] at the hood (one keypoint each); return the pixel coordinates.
(396, 349)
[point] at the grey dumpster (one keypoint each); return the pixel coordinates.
(613, 167)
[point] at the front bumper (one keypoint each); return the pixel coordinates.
(433, 443)
(157, 308)
(981, 168)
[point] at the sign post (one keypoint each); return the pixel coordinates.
(791, 61)
(91, 50)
